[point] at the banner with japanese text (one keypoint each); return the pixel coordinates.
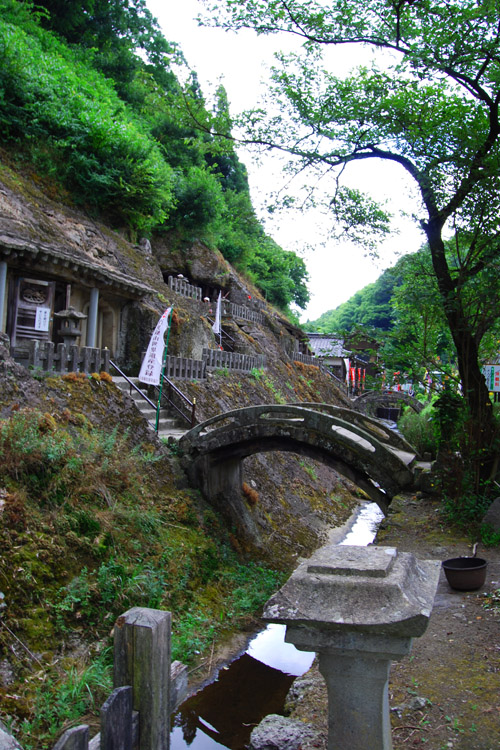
(153, 361)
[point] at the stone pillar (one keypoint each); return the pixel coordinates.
(92, 319)
(358, 608)
(3, 293)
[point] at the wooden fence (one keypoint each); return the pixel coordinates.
(147, 688)
(230, 309)
(216, 359)
(44, 355)
(306, 359)
(184, 288)
(182, 368)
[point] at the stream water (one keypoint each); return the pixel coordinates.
(255, 684)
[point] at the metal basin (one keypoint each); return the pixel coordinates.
(465, 573)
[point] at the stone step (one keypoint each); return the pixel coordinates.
(174, 434)
(168, 427)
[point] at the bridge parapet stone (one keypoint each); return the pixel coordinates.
(355, 452)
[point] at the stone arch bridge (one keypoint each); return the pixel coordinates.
(386, 404)
(359, 447)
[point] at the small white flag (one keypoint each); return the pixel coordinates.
(153, 361)
(216, 326)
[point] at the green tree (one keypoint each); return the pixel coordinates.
(429, 102)
(370, 306)
(280, 274)
(419, 339)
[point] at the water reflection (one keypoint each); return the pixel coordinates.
(270, 648)
(224, 713)
(365, 527)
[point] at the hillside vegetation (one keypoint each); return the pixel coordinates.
(90, 101)
(96, 516)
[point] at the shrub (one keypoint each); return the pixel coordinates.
(78, 131)
(251, 495)
(420, 429)
(31, 444)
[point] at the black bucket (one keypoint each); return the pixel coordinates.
(465, 573)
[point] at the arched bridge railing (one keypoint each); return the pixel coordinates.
(358, 452)
(370, 400)
(371, 424)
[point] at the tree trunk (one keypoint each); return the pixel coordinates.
(479, 445)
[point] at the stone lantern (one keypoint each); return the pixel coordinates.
(70, 325)
(359, 608)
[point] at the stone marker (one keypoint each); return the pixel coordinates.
(359, 608)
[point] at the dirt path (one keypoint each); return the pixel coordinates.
(446, 693)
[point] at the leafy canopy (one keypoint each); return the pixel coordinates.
(428, 102)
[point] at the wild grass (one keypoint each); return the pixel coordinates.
(91, 527)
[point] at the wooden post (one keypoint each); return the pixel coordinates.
(86, 353)
(105, 359)
(142, 660)
(62, 353)
(73, 358)
(50, 356)
(76, 738)
(35, 353)
(116, 720)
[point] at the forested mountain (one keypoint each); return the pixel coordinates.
(369, 307)
(92, 102)
(402, 309)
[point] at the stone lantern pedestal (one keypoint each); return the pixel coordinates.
(359, 608)
(70, 325)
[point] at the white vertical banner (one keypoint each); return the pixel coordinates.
(153, 361)
(216, 326)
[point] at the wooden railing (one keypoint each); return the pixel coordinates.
(184, 288)
(132, 385)
(148, 688)
(183, 368)
(45, 356)
(216, 359)
(338, 381)
(230, 309)
(226, 338)
(306, 359)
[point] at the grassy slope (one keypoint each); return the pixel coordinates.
(93, 522)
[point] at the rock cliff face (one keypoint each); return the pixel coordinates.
(293, 499)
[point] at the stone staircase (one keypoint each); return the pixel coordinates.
(169, 427)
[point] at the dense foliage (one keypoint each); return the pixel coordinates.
(369, 307)
(402, 309)
(89, 96)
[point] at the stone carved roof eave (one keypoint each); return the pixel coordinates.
(102, 276)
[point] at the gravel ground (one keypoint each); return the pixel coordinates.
(446, 693)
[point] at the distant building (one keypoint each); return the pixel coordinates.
(331, 351)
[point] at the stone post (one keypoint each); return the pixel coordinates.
(359, 608)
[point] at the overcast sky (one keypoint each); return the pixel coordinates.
(238, 61)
